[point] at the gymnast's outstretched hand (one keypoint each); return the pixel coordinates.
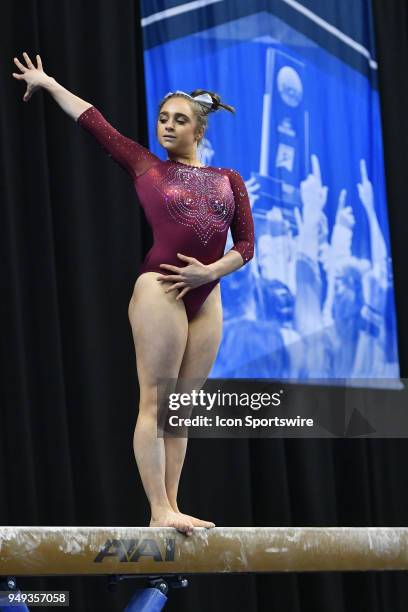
(34, 76)
(192, 275)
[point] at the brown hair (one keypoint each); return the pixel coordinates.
(201, 111)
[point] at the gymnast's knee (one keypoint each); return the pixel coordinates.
(154, 397)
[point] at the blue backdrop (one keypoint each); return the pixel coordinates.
(317, 299)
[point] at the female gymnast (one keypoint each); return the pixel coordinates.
(175, 311)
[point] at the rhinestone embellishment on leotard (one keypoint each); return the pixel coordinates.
(198, 198)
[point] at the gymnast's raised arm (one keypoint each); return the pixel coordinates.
(36, 78)
(134, 158)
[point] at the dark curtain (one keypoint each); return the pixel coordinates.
(71, 237)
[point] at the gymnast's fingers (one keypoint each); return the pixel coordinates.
(175, 286)
(170, 267)
(28, 60)
(183, 292)
(20, 65)
(170, 277)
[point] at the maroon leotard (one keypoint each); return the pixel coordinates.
(189, 208)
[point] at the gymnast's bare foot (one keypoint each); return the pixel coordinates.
(195, 521)
(169, 518)
(198, 522)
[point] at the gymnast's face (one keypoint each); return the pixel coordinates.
(176, 118)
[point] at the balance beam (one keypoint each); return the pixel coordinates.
(51, 551)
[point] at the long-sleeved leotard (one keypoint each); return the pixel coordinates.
(189, 208)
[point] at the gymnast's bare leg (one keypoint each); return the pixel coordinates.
(203, 339)
(160, 335)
